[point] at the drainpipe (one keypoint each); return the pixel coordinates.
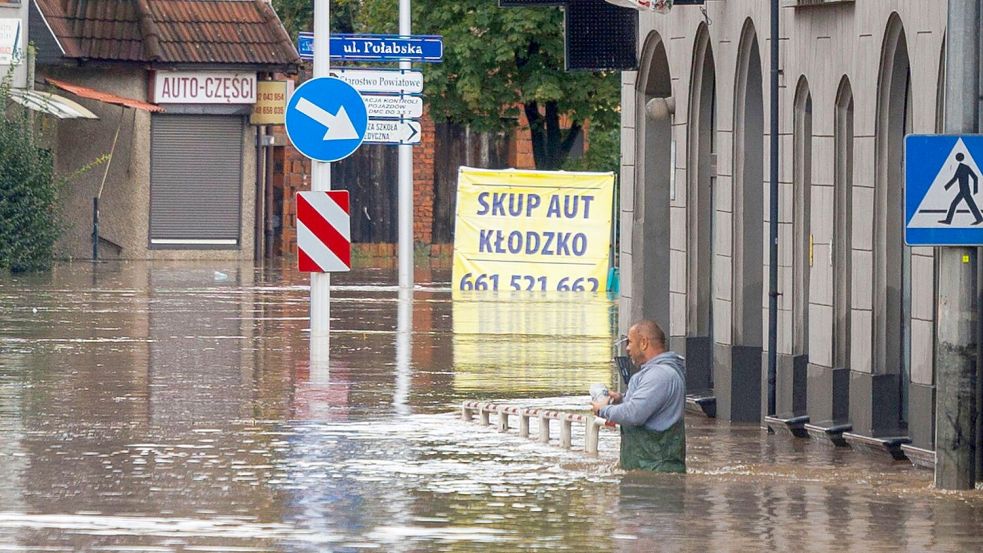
(260, 200)
(773, 219)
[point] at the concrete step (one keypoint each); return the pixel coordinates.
(702, 403)
(788, 424)
(887, 445)
(828, 432)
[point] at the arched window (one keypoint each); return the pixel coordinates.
(801, 191)
(650, 243)
(842, 222)
(748, 216)
(699, 187)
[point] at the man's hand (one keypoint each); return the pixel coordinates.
(614, 397)
(596, 405)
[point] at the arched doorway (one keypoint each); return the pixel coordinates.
(700, 150)
(650, 245)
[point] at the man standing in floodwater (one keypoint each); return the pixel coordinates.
(653, 435)
(962, 175)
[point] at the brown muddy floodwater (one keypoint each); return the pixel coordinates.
(172, 407)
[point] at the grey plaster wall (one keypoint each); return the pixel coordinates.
(125, 199)
(824, 44)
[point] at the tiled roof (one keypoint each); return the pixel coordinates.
(170, 31)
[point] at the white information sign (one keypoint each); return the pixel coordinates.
(11, 42)
(204, 87)
(381, 131)
(394, 81)
(393, 107)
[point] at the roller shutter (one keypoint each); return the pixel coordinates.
(195, 181)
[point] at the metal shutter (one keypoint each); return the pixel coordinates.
(195, 180)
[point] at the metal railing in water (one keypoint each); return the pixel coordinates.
(484, 410)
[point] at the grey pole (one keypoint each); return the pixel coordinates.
(955, 409)
(321, 282)
(405, 193)
(773, 219)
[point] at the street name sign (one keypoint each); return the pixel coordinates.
(942, 190)
(323, 231)
(326, 119)
(395, 81)
(366, 47)
(393, 106)
(383, 131)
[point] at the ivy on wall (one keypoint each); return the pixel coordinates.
(29, 190)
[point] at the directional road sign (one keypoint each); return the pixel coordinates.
(943, 190)
(397, 81)
(418, 48)
(381, 131)
(326, 119)
(393, 106)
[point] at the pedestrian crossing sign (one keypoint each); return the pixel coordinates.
(943, 190)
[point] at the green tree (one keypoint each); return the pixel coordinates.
(29, 221)
(497, 61)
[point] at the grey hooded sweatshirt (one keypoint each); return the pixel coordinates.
(656, 395)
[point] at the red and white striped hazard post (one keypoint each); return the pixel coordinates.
(324, 243)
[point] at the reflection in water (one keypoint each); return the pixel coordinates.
(565, 343)
(153, 407)
(404, 331)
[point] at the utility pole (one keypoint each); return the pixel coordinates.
(405, 194)
(955, 409)
(321, 282)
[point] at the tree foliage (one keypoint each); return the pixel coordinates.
(498, 62)
(29, 221)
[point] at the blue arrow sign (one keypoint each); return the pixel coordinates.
(418, 48)
(943, 190)
(326, 119)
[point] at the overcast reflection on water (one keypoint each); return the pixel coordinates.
(172, 407)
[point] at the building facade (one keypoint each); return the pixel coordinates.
(856, 306)
(172, 159)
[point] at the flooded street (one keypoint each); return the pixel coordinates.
(172, 407)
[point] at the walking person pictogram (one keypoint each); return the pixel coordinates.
(962, 175)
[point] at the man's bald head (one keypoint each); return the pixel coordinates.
(651, 330)
(645, 340)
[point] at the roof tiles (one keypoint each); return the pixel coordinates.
(170, 31)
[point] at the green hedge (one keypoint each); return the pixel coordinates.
(29, 221)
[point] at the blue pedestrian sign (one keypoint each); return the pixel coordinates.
(326, 119)
(413, 48)
(943, 185)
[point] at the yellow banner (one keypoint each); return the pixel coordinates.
(532, 231)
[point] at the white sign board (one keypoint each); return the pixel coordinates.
(393, 81)
(393, 132)
(204, 87)
(393, 107)
(11, 42)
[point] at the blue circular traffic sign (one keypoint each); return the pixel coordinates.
(326, 119)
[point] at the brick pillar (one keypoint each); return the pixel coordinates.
(520, 155)
(296, 178)
(423, 182)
